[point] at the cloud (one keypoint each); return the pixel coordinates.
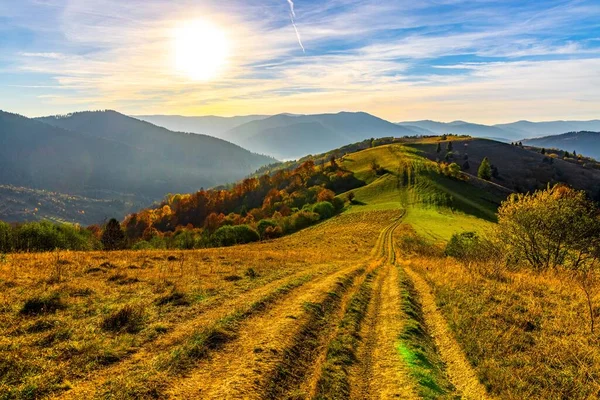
(483, 61)
(293, 19)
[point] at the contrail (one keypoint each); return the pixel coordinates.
(293, 19)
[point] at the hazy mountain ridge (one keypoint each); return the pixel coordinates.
(208, 125)
(282, 135)
(514, 131)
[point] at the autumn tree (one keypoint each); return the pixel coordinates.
(113, 237)
(556, 227)
(485, 170)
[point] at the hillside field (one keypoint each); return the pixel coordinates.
(362, 306)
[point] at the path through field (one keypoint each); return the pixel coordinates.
(332, 333)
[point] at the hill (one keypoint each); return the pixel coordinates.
(208, 125)
(106, 155)
(292, 136)
(519, 169)
(585, 143)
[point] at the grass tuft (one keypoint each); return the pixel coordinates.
(129, 318)
(48, 304)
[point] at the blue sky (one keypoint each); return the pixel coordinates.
(483, 61)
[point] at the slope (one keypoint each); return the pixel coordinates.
(585, 143)
(108, 156)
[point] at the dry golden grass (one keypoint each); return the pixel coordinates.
(527, 335)
(69, 320)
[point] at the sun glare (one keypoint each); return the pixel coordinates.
(201, 49)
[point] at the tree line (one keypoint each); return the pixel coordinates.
(254, 209)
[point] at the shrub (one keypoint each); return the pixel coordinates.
(142, 245)
(263, 224)
(462, 245)
(6, 237)
(325, 209)
(338, 204)
(128, 319)
(303, 219)
(230, 235)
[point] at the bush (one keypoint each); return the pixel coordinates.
(142, 245)
(462, 245)
(325, 209)
(230, 235)
(303, 219)
(6, 237)
(263, 224)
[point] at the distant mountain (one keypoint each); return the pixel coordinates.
(527, 129)
(288, 136)
(107, 155)
(514, 131)
(584, 143)
(207, 125)
(463, 128)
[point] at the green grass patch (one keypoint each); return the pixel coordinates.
(417, 348)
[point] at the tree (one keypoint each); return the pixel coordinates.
(543, 151)
(439, 148)
(449, 147)
(556, 227)
(466, 166)
(567, 155)
(351, 197)
(495, 173)
(485, 170)
(113, 237)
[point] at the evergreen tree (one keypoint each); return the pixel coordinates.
(439, 148)
(543, 151)
(449, 148)
(466, 166)
(485, 170)
(113, 237)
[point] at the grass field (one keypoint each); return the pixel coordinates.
(361, 306)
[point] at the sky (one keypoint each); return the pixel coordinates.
(481, 61)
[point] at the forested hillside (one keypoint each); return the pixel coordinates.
(110, 157)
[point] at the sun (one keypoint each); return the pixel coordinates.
(200, 49)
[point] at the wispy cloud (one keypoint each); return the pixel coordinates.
(293, 19)
(446, 60)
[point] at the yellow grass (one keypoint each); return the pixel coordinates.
(527, 335)
(50, 352)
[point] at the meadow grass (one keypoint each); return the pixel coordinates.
(107, 306)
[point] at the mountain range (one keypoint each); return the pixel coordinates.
(288, 136)
(107, 155)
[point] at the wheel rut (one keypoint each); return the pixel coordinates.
(460, 372)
